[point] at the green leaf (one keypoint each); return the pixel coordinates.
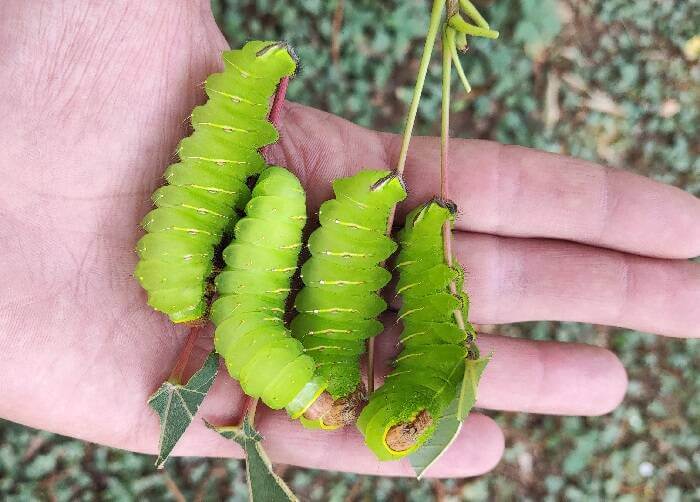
(446, 432)
(263, 484)
(177, 404)
(450, 423)
(473, 368)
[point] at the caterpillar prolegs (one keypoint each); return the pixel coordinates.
(403, 413)
(339, 304)
(199, 204)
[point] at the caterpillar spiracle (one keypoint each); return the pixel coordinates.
(339, 303)
(199, 203)
(253, 287)
(402, 414)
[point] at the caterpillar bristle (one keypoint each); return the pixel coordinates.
(196, 323)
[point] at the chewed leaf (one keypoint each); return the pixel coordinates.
(263, 484)
(445, 433)
(473, 368)
(177, 404)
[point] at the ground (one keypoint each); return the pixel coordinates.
(612, 81)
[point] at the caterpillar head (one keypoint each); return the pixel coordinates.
(448, 204)
(405, 435)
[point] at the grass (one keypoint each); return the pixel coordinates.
(611, 81)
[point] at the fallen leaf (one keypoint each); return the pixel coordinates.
(575, 82)
(602, 102)
(552, 113)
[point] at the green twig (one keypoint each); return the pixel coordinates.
(445, 119)
(433, 28)
(471, 11)
(459, 24)
(452, 48)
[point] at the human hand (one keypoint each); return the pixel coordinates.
(97, 98)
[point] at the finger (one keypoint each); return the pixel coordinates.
(537, 377)
(505, 190)
(477, 450)
(515, 280)
(516, 191)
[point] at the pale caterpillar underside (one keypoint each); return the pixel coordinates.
(253, 288)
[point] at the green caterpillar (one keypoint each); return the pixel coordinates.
(402, 414)
(253, 289)
(205, 189)
(339, 304)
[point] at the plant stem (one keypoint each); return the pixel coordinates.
(250, 412)
(370, 366)
(444, 164)
(278, 102)
(184, 357)
(433, 28)
(471, 11)
(445, 118)
(452, 8)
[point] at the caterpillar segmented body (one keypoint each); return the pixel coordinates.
(199, 204)
(253, 288)
(430, 367)
(339, 304)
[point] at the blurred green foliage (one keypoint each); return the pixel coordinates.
(605, 80)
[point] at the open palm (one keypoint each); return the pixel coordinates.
(94, 100)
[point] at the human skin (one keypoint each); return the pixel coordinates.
(94, 97)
